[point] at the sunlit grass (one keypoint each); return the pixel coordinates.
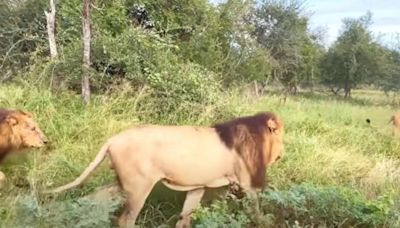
(327, 141)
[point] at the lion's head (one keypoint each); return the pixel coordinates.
(258, 139)
(18, 130)
(274, 140)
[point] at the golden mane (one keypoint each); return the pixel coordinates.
(14, 134)
(4, 134)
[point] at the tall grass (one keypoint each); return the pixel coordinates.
(76, 133)
(328, 145)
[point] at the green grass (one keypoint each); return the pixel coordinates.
(328, 145)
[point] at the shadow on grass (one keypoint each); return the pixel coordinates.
(172, 201)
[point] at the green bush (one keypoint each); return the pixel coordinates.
(187, 88)
(172, 85)
(73, 213)
(330, 206)
(303, 205)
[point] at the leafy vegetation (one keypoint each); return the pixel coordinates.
(230, 43)
(303, 205)
(330, 173)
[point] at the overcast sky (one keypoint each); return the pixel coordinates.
(329, 14)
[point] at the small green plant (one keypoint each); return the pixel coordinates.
(220, 214)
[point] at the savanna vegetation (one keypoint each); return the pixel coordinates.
(195, 62)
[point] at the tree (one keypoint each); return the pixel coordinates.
(86, 51)
(243, 59)
(281, 28)
(391, 80)
(51, 18)
(354, 58)
(22, 31)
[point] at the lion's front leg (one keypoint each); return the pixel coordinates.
(192, 200)
(252, 194)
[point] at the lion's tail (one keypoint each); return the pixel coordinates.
(391, 119)
(92, 166)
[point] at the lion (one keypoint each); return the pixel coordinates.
(189, 158)
(395, 120)
(2, 179)
(18, 131)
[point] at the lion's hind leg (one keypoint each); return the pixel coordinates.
(137, 192)
(193, 199)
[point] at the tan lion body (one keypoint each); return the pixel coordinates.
(18, 131)
(189, 158)
(395, 119)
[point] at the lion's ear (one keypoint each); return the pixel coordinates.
(12, 120)
(272, 125)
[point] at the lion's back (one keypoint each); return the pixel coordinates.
(167, 136)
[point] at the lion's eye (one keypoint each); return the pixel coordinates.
(33, 128)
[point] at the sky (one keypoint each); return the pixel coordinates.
(329, 14)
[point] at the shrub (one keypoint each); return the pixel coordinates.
(220, 214)
(71, 213)
(303, 205)
(140, 59)
(330, 206)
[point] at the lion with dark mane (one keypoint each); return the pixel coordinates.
(190, 158)
(18, 131)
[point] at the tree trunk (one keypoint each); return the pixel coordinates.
(347, 88)
(51, 18)
(292, 88)
(86, 51)
(295, 89)
(347, 93)
(257, 89)
(312, 79)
